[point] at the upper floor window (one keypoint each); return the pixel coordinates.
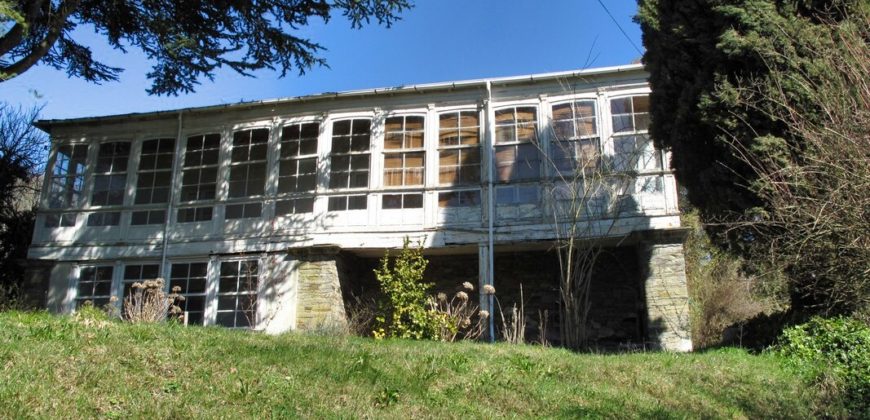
(350, 155)
(199, 173)
(630, 114)
(67, 176)
(459, 148)
(404, 156)
(633, 150)
(516, 144)
(576, 146)
(297, 169)
(155, 171)
(110, 174)
(248, 163)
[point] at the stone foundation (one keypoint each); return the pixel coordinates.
(666, 296)
(320, 304)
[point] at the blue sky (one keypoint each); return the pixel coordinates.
(437, 40)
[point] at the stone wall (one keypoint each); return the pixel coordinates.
(34, 288)
(615, 304)
(319, 304)
(666, 296)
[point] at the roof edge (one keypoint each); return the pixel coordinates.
(46, 125)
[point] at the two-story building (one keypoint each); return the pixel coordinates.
(269, 214)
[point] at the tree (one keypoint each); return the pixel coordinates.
(21, 149)
(593, 194)
(764, 106)
(186, 40)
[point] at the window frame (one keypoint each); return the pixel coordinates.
(403, 153)
(461, 149)
(350, 154)
(110, 175)
(516, 144)
(237, 294)
(71, 197)
(559, 144)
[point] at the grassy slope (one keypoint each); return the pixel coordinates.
(67, 367)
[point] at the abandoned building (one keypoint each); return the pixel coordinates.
(271, 214)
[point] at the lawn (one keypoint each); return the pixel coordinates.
(77, 367)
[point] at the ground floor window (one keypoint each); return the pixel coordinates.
(237, 293)
(95, 285)
(192, 279)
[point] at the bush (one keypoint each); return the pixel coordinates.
(406, 308)
(833, 354)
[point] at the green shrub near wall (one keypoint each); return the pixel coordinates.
(834, 354)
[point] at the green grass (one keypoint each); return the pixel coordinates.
(80, 367)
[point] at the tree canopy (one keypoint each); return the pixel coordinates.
(764, 104)
(186, 40)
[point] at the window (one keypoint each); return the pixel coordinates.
(630, 114)
(524, 194)
(576, 145)
(349, 159)
(404, 156)
(635, 153)
(110, 177)
(111, 218)
(237, 294)
(294, 206)
(194, 214)
(632, 148)
(459, 199)
(138, 273)
(148, 217)
(192, 279)
(199, 173)
(155, 171)
(248, 163)
(348, 202)
(516, 148)
(244, 211)
(297, 167)
(459, 148)
(95, 285)
(402, 201)
(67, 177)
(60, 220)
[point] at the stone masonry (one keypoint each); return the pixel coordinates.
(667, 297)
(320, 304)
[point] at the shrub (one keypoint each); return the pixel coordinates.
(405, 310)
(463, 320)
(833, 354)
(149, 303)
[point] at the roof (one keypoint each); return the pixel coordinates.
(46, 125)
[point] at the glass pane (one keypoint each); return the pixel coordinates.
(526, 115)
(393, 141)
(620, 106)
(450, 120)
(413, 201)
(414, 123)
(392, 201)
(562, 112)
(641, 104)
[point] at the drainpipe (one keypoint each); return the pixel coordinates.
(490, 210)
(171, 197)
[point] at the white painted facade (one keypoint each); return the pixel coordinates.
(521, 210)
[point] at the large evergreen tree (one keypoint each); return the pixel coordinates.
(186, 40)
(752, 97)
